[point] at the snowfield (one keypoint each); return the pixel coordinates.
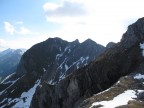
(121, 99)
(142, 47)
(139, 76)
(25, 98)
(28, 97)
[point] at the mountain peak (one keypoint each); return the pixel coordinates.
(89, 41)
(134, 34)
(55, 39)
(76, 41)
(110, 44)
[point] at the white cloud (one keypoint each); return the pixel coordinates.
(104, 21)
(14, 29)
(50, 6)
(2, 42)
(23, 31)
(65, 9)
(19, 22)
(64, 12)
(9, 28)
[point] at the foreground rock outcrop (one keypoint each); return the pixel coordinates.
(120, 60)
(127, 92)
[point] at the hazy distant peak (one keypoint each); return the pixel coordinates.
(11, 51)
(20, 51)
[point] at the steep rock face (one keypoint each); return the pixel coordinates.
(56, 58)
(49, 61)
(99, 75)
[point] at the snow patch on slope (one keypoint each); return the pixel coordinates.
(139, 76)
(58, 56)
(142, 47)
(66, 48)
(82, 59)
(12, 83)
(66, 67)
(121, 99)
(24, 100)
(3, 82)
(26, 97)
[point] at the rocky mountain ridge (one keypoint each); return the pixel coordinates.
(49, 61)
(46, 68)
(122, 59)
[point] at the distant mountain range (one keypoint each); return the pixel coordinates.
(60, 74)
(9, 60)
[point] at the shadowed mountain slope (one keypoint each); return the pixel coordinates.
(122, 59)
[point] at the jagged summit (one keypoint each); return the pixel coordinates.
(89, 41)
(49, 61)
(57, 39)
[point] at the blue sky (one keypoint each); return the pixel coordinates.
(28, 19)
(24, 23)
